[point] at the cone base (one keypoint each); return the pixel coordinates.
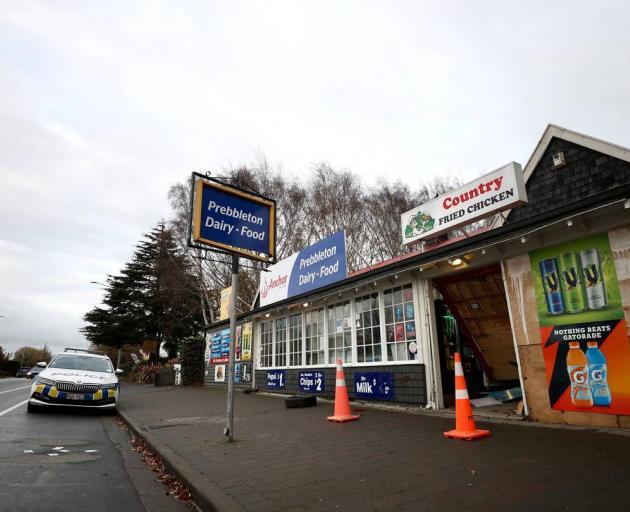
(343, 419)
(467, 435)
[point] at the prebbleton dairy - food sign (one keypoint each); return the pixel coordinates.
(318, 265)
(499, 190)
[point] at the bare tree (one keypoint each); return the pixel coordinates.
(335, 202)
(210, 273)
(307, 211)
(384, 205)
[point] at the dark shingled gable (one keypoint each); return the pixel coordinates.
(587, 173)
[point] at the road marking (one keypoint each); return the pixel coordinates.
(16, 389)
(6, 411)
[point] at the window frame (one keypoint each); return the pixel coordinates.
(366, 290)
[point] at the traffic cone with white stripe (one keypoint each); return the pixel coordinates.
(342, 404)
(465, 427)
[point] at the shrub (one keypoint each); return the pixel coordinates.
(191, 359)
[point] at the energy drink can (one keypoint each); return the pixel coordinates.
(551, 285)
(572, 283)
(593, 279)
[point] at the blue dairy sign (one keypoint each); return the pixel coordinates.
(375, 385)
(275, 379)
(318, 265)
(232, 220)
(312, 382)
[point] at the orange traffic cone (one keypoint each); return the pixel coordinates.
(464, 423)
(342, 404)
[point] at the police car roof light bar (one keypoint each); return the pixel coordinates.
(97, 352)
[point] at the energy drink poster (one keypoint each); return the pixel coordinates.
(582, 326)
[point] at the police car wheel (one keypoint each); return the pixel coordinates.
(295, 402)
(32, 408)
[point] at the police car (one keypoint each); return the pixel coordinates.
(76, 378)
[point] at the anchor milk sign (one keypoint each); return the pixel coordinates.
(318, 265)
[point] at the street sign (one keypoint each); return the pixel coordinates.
(494, 192)
(232, 220)
(313, 267)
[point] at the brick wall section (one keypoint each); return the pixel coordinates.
(409, 382)
(585, 174)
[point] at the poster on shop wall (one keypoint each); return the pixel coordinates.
(218, 346)
(582, 327)
(246, 342)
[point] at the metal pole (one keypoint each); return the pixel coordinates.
(119, 355)
(229, 429)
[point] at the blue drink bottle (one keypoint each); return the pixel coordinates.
(597, 374)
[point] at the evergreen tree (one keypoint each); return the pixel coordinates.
(4, 355)
(150, 300)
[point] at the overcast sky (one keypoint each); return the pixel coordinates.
(104, 105)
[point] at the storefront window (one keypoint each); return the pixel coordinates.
(339, 333)
(400, 325)
(314, 337)
(295, 340)
(368, 326)
(266, 341)
(281, 341)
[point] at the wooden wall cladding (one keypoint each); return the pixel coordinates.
(480, 301)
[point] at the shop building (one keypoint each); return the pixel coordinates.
(496, 293)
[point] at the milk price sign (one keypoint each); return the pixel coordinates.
(494, 192)
(316, 266)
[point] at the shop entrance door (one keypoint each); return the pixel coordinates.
(473, 314)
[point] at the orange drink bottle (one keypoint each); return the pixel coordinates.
(577, 367)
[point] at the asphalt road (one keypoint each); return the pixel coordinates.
(70, 461)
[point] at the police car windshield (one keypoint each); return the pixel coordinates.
(74, 362)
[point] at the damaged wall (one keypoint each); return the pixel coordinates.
(520, 291)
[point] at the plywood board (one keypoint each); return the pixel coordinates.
(489, 322)
(520, 293)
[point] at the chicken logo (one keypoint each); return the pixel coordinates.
(418, 224)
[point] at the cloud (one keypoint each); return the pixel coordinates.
(105, 105)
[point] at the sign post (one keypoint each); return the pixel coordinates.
(228, 432)
(233, 221)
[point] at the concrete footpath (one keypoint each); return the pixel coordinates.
(295, 460)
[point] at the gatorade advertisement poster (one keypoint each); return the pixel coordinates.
(582, 327)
